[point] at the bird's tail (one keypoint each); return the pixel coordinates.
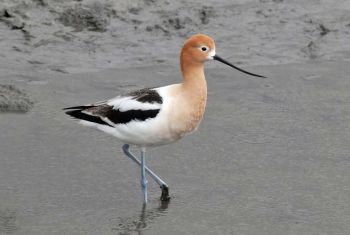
(77, 112)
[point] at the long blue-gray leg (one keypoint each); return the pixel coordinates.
(143, 175)
(162, 184)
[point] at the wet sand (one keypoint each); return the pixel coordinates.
(60, 36)
(271, 157)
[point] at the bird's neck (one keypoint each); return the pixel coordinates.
(194, 91)
(193, 79)
(191, 97)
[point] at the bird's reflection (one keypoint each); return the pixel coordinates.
(138, 224)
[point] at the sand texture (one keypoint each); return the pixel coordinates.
(13, 99)
(50, 35)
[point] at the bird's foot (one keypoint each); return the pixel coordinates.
(165, 193)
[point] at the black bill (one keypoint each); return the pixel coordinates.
(218, 58)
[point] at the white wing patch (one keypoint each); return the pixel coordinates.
(129, 103)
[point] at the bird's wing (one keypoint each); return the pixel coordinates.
(138, 105)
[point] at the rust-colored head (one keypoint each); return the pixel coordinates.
(198, 49)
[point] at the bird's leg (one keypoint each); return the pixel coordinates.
(143, 176)
(160, 182)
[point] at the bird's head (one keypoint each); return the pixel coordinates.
(200, 48)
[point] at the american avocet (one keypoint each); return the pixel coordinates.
(157, 116)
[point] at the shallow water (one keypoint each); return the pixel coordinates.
(271, 157)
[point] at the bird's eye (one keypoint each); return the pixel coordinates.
(204, 48)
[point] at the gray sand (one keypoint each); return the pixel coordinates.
(50, 35)
(13, 99)
(271, 157)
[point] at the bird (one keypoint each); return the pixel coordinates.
(157, 116)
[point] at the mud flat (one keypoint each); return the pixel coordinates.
(77, 36)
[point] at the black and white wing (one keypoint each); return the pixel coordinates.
(138, 105)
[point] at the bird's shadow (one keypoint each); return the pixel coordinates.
(139, 223)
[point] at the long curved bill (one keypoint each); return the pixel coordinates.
(218, 58)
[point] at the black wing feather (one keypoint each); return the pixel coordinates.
(95, 113)
(78, 114)
(147, 95)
